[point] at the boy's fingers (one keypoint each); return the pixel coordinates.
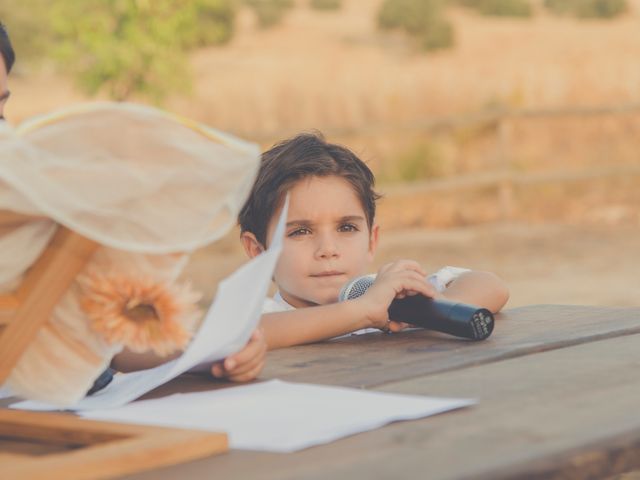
(254, 348)
(217, 370)
(247, 376)
(243, 368)
(256, 335)
(412, 285)
(397, 326)
(408, 265)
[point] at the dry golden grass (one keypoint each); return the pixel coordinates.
(335, 69)
(545, 263)
(335, 72)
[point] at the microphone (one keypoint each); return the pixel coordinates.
(459, 319)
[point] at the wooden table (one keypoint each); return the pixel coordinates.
(558, 390)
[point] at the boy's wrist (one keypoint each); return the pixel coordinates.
(364, 313)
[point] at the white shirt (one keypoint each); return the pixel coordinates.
(440, 280)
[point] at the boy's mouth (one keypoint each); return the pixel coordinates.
(329, 273)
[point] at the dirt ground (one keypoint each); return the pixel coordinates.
(542, 264)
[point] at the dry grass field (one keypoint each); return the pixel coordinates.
(542, 264)
(561, 242)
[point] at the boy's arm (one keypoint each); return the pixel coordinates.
(312, 324)
(483, 289)
(242, 366)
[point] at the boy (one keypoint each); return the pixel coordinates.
(331, 237)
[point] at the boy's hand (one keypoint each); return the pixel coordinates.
(246, 364)
(394, 280)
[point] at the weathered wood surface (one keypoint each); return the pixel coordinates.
(558, 387)
(368, 360)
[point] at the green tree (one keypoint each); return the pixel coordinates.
(500, 8)
(326, 4)
(588, 8)
(124, 47)
(270, 12)
(421, 19)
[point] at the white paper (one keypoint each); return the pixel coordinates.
(277, 416)
(226, 328)
(5, 392)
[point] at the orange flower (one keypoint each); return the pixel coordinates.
(140, 312)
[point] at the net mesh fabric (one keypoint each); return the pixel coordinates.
(127, 176)
(147, 186)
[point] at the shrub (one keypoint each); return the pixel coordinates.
(124, 47)
(421, 161)
(588, 8)
(269, 12)
(326, 4)
(500, 8)
(421, 19)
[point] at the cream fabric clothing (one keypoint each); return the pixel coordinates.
(148, 186)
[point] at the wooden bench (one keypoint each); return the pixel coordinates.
(558, 390)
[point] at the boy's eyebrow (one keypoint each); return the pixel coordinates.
(348, 218)
(352, 218)
(4, 95)
(298, 222)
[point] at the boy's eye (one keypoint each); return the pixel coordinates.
(348, 227)
(298, 232)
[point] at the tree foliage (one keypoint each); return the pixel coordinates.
(421, 19)
(588, 8)
(270, 12)
(326, 4)
(500, 8)
(124, 47)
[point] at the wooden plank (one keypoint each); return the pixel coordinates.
(60, 429)
(565, 413)
(365, 361)
(42, 288)
(103, 449)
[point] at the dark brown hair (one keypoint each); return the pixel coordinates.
(303, 156)
(6, 50)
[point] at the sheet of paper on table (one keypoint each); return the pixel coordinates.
(277, 416)
(226, 328)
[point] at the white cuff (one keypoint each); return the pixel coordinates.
(443, 277)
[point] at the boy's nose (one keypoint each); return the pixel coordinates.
(326, 247)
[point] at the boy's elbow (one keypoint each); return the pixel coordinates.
(502, 298)
(500, 292)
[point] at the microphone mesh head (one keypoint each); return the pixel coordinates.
(356, 287)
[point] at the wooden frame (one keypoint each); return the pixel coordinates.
(96, 450)
(24, 312)
(85, 449)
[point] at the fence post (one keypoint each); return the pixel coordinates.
(505, 185)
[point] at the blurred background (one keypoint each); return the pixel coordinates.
(505, 134)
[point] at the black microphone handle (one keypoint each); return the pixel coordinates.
(457, 319)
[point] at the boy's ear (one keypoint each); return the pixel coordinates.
(373, 240)
(252, 246)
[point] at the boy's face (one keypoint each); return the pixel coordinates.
(327, 241)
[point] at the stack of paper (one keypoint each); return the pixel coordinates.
(277, 416)
(227, 327)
